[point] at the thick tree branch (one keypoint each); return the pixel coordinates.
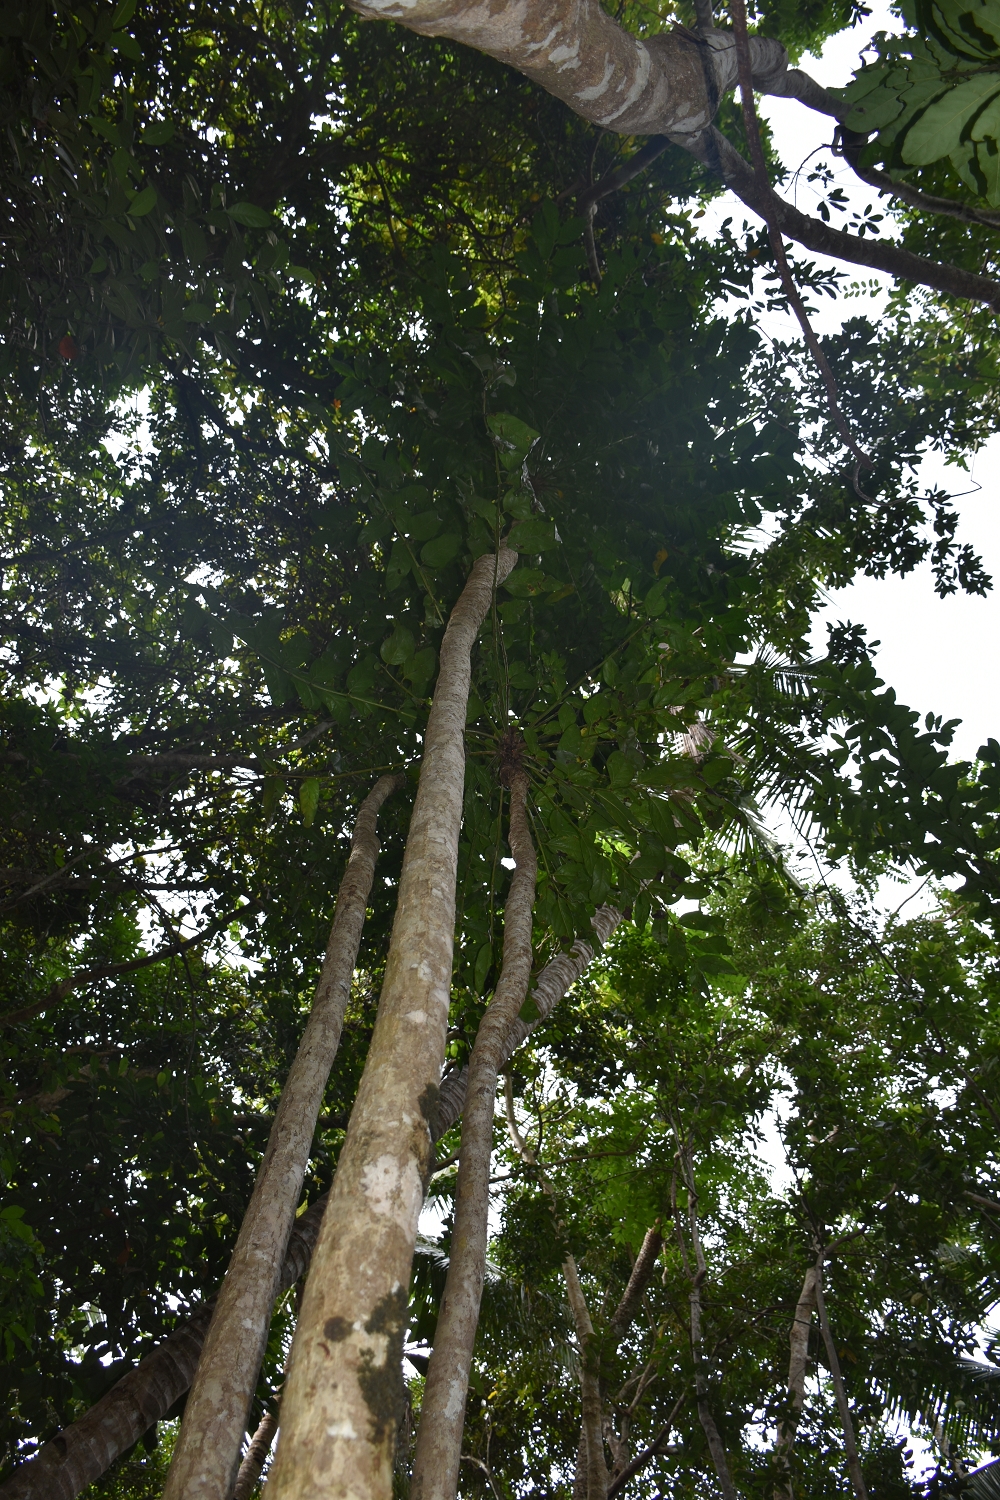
(720, 156)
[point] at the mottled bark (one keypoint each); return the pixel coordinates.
(668, 84)
(847, 1422)
(343, 1396)
(80, 1453)
(551, 985)
(661, 85)
(442, 1416)
(207, 1455)
(798, 1342)
(590, 1383)
(255, 1457)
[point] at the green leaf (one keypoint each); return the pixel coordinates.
(274, 786)
(988, 158)
(620, 770)
(514, 438)
(250, 215)
(523, 582)
(441, 550)
(123, 13)
(300, 273)
(398, 648)
(420, 670)
(143, 203)
(939, 129)
(483, 960)
(157, 132)
(122, 42)
(309, 799)
(424, 526)
(198, 312)
(535, 535)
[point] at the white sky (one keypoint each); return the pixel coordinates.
(936, 653)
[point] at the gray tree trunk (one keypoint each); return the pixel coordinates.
(207, 1455)
(442, 1415)
(343, 1396)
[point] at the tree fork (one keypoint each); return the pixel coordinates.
(341, 1404)
(442, 1419)
(207, 1455)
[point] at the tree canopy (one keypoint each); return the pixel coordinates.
(307, 319)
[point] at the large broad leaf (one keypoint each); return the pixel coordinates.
(250, 215)
(939, 130)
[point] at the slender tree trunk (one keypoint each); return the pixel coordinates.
(798, 1340)
(255, 1457)
(342, 1400)
(207, 1455)
(442, 1416)
(590, 1381)
(716, 1447)
(850, 1444)
(642, 1274)
(82, 1452)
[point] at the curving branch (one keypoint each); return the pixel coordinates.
(665, 85)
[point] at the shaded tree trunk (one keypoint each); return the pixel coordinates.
(590, 1382)
(442, 1417)
(798, 1340)
(255, 1457)
(850, 1442)
(207, 1454)
(82, 1452)
(343, 1396)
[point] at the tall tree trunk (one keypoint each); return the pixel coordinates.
(798, 1341)
(590, 1360)
(442, 1415)
(850, 1443)
(716, 1447)
(255, 1457)
(342, 1400)
(82, 1452)
(207, 1455)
